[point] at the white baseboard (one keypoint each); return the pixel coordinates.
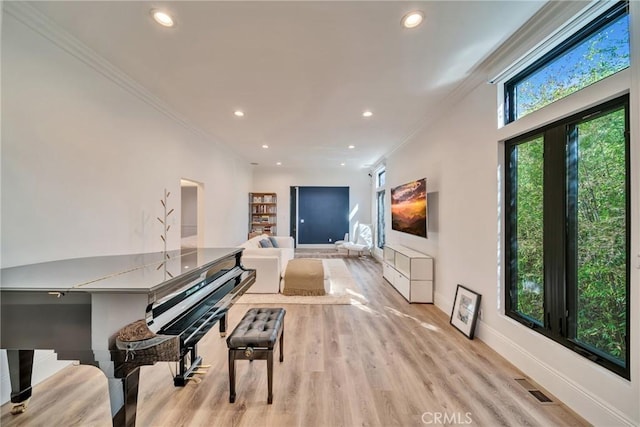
(45, 364)
(585, 404)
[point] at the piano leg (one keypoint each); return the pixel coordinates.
(20, 369)
(126, 415)
(184, 373)
(223, 325)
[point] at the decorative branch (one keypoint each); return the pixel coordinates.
(165, 228)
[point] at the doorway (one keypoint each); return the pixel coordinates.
(191, 220)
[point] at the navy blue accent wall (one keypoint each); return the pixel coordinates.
(323, 214)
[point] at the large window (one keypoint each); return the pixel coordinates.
(380, 207)
(597, 51)
(380, 237)
(567, 215)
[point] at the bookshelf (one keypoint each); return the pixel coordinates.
(263, 213)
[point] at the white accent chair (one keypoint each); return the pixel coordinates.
(362, 240)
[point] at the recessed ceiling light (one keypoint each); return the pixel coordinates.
(265, 146)
(412, 19)
(238, 113)
(351, 147)
(367, 114)
(162, 18)
(278, 163)
(341, 164)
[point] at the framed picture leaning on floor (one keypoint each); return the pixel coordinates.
(465, 310)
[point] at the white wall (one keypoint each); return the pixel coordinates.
(460, 157)
(279, 180)
(85, 163)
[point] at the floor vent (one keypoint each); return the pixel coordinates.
(533, 390)
(542, 398)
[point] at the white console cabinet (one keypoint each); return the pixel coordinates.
(410, 272)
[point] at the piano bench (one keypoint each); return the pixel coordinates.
(254, 338)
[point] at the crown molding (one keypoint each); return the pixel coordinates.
(43, 25)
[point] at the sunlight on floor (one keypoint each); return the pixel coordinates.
(425, 325)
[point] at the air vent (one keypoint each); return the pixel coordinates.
(542, 398)
(533, 390)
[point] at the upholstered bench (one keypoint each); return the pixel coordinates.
(254, 338)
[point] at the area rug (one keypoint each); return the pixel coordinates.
(344, 290)
(319, 253)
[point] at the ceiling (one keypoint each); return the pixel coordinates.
(302, 71)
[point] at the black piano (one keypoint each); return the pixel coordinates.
(76, 307)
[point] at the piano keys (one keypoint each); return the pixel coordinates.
(76, 307)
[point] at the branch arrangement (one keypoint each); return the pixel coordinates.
(165, 227)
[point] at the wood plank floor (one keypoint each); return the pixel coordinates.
(383, 362)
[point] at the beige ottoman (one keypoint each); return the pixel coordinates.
(306, 277)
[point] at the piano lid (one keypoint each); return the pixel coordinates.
(135, 273)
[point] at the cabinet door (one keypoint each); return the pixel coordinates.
(422, 269)
(388, 272)
(421, 291)
(402, 285)
(403, 264)
(389, 254)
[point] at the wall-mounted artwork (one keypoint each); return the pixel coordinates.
(409, 208)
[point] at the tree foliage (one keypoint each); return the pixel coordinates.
(601, 195)
(597, 57)
(601, 239)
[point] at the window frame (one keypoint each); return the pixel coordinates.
(560, 297)
(380, 222)
(381, 177)
(611, 14)
(380, 187)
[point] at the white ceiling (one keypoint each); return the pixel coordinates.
(302, 71)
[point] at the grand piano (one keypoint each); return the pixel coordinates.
(76, 307)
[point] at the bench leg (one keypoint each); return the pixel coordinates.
(232, 376)
(282, 345)
(270, 376)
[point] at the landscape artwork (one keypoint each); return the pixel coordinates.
(409, 208)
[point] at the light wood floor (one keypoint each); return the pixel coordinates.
(382, 363)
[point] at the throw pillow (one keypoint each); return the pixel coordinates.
(274, 242)
(265, 243)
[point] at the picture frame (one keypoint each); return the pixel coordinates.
(465, 310)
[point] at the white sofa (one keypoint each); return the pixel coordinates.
(269, 263)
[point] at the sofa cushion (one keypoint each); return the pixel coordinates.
(266, 243)
(274, 242)
(286, 254)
